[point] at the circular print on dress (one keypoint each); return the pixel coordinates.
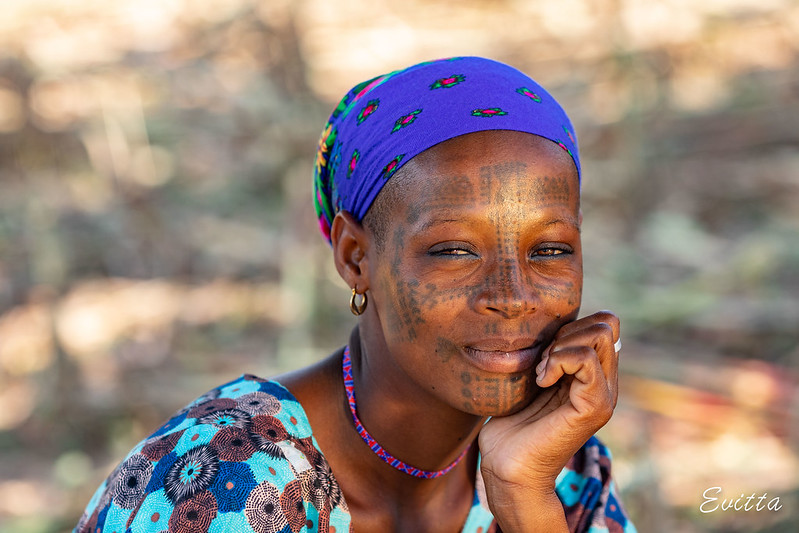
(233, 444)
(226, 418)
(258, 403)
(263, 510)
(131, 481)
(211, 406)
(194, 515)
(266, 431)
(158, 447)
(191, 473)
(232, 486)
(292, 505)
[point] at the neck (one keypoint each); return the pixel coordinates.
(407, 421)
(410, 425)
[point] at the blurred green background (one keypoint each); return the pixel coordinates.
(157, 235)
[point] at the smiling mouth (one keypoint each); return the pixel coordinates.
(503, 359)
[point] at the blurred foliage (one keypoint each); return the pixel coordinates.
(157, 235)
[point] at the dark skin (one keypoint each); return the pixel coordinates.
(473, 305)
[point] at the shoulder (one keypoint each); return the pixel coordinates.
(588, 491)
(240, 457)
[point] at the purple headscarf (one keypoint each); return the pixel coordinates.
(381, 124)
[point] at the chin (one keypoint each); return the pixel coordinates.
(500, 395)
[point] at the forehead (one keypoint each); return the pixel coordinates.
(490, 167)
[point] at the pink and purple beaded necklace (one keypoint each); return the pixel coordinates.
(349, 387)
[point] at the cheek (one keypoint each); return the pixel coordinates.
(405, 319)
(396, 295)
(417, 310)
(445, 349)
(562, 287)
(406, 304)
(414, 309)
(560, 292)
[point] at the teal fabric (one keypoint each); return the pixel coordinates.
(243, 458)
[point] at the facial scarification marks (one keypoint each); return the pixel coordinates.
(433, 295)
(491, 328)
(497, 180)
(492, 394)
(559, 291)
(428, 297)
(406, 295)
(466, 391)
(508, 285)
(501, 184)
(574, 295)
(525, 328)
(409, 311)
(503, 285)
(554, 190)
(414, 212)
(410, 297)
(509, 181)
(452, 193)
(445, 349)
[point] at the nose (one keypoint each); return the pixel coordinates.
(506, 291)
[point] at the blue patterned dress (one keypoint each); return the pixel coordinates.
(243, 458)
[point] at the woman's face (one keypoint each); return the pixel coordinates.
(480, 267)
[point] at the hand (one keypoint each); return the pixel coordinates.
(522, 454)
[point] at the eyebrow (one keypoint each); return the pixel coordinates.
(430, 223)
(566, 221)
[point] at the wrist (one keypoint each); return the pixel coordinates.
(538, 480)
(527, 510)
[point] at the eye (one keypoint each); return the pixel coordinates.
(452, 249)
(551, 250)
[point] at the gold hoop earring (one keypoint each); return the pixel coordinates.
(357, 309)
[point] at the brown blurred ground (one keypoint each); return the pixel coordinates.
(157, 235)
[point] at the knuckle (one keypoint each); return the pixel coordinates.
(609, 318)
(585, 352)
(603, 332)
(604, 314)
(602, 328)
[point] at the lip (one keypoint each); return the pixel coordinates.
(501, 356)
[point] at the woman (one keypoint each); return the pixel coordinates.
(469, 392)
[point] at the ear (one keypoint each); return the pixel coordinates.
(350, 243)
